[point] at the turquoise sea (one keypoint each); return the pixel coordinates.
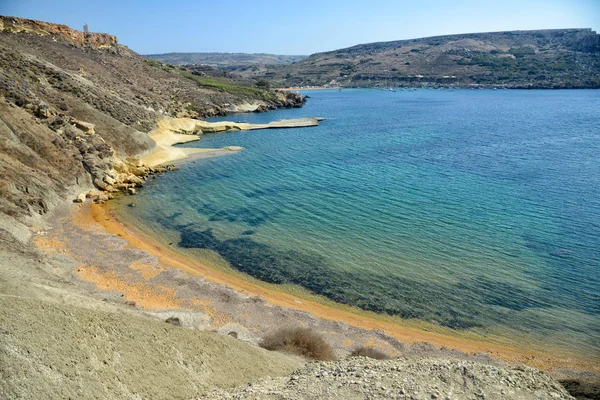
(473, 209)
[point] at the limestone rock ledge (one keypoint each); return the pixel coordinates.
(123, 177)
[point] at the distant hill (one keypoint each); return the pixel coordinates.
(224, 60)
(558, 58)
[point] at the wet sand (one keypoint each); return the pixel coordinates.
(466, 342)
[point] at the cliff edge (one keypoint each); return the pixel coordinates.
(78, 38)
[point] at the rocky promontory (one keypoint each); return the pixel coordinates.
(75, 106)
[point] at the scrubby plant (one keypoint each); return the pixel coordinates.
(300, 341)
(369, 352)
(263, 84)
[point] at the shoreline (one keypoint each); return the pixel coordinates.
(103, 217)
(173, 131)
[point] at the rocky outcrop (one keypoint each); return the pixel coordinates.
(73, 106)
(124, 176)
(72, 36)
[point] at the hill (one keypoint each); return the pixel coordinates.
(58, 85)
(559, 58)
(225, 60)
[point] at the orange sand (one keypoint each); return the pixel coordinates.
(105, 220)
(147, 271)
(50, 244)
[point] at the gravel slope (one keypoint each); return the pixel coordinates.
(50, 350)
(404, 378)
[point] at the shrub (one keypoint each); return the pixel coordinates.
(300, 341)
(521, 52)
(263, 84)
(370, 353)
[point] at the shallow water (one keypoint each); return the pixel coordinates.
(474, 209)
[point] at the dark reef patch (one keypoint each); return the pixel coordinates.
(390, 294)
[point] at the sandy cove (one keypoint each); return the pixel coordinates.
(162, 272)
(123, 263)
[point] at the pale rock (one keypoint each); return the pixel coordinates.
(101, 184)
(84, 126)
(136, 162)
(120, 167)
(134, 179)
(139, 171)
(93, 193)
(80, 198)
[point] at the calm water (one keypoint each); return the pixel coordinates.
(474, 209)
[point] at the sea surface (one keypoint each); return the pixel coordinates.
(477, 210)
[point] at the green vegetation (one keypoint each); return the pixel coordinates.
(300, 341)
(521, 52)
(225, 86)
(210, 82)
(263, 84)
(535, 59)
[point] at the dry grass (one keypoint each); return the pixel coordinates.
(370, 353)
(300, 341)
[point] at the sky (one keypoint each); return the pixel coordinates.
(297, 27)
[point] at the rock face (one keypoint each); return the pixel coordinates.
(78, 38)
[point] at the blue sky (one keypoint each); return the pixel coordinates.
(298, 27)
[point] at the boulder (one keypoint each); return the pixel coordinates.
(80, 198)
(134, 179)
(103, 198)
(43, 111)
(93, 193)
(121, 167)
(139, 171)
(131, 191)
(136, 162)
(109, 180)
(101, 184)
(84, 126)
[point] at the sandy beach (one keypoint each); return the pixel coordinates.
(101, 216)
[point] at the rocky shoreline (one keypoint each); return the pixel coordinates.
(124, 176)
